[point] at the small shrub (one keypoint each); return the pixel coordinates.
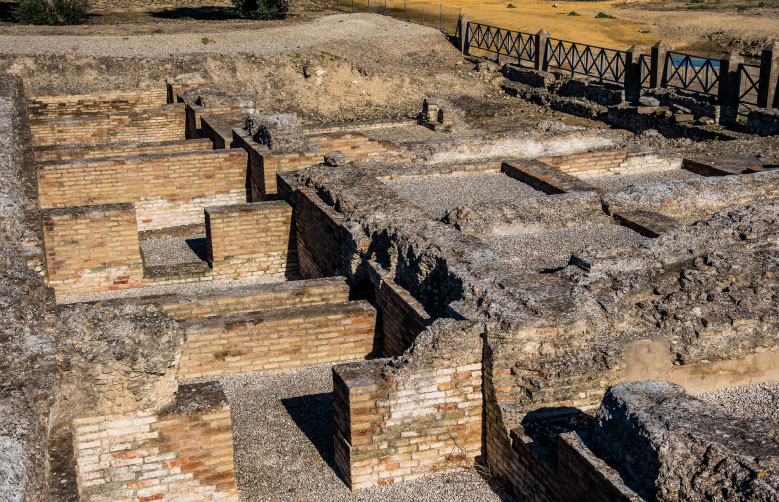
(511, 6)
(763, 4)
(57, 12)
(158, 30)
(207, 40)
(603, 15)
(574, 13)
(262, 9)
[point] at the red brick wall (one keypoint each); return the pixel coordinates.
(277, 295)
(401, 316)
(389, 429)
(166, 190)
(356, 146)
(590, 164)
(251, 239)
(162, 124)
(73, 152)
(92, 248)
(184, 451)
(96, 103)
(278, 340)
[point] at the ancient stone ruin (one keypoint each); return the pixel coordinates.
(544, 303)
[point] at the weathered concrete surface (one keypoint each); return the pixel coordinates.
(673, 446)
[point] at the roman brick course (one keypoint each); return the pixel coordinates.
(95, 103)
(166, 123)
(166, 189)
(251, 239)
(183, 452)
(92, 248)
(96, 151)
(278, 340)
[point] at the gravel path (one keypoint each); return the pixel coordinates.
(614, 183)
(356, 28)
(437, 195)
(759, 401)
(553, 248)
(283, 439)
(174, 250)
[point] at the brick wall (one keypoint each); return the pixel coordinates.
(73, 152)
(96, 103)
(183, 452)
(92, 248)
(419, 415)
(162, 124)
(278, 340)
(325, 247)
(590, 164)
(251, 239)
(166, 190)
(279, 295)
(356, 146)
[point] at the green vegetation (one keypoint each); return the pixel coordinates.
(56, 12)
(603, 15)
(763, 4)
(329, 56)
(262, 9)
(207, 40)
(158, 30)
(511, 6)
(574, 13)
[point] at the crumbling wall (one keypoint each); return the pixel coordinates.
(96, 103)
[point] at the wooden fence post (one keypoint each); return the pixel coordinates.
(465, 42)
(769, 74)
(541, 38)
(657, 65)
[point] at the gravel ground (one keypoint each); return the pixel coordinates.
(437, 195)
(173, 250)
(553, 248)
(169, 289)
(759, 401)
(283, 439)
(614, 183)
(356, 28)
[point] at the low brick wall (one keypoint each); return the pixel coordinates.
(590, 164)
(166, 190)
(356, 146)
(278, 295)
(278, 340)
(398, 425)
(162, 124)
(183, 452)
(74, 152)
(95, 103)
(92, 248)
(251, 239)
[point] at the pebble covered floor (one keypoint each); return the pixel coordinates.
(283, 440)
(760, 401)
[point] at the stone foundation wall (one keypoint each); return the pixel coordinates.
(278, 340)
(183, 452)
(96, 103)
(92, 248)
(167, 123)
(74, 152)
(279, 295)
(251, 239)
(394, 425)
(166, 190)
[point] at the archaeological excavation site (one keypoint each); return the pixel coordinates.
(395, 270)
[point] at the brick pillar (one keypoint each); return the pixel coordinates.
(633, 73)
(541, 39)
(769, 74)
(728, 87)
(464, 35)
(657, 66)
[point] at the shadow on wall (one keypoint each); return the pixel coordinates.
(313, 414)
(197, 13)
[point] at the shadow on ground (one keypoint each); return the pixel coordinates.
(313, 414)
(197, 13)
(7, 12)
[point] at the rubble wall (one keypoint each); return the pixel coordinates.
(95, 103)
(278, 340)
(251, 239)
(163, 124)
(166, 190)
